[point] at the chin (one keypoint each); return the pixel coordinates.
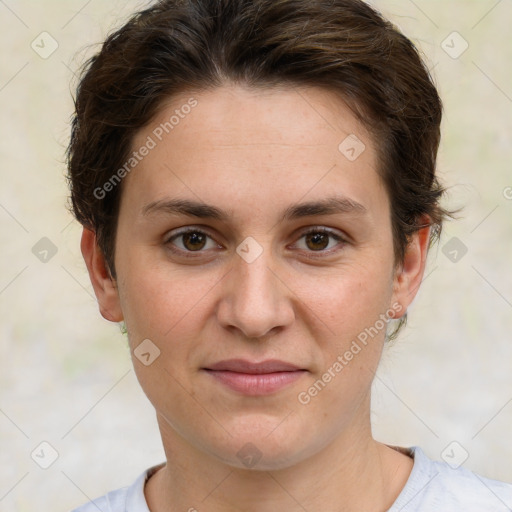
(261, 449)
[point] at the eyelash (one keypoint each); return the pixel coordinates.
(313, 254)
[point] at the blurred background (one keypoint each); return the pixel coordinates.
(74, 423)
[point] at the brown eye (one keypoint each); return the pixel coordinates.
(190, 240)
(319, 240)
(194, 241)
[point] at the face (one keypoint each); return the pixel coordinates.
(259, 276)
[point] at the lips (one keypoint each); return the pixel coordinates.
(255, 379)
(248, 367)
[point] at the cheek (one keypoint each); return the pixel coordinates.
(349, 298)
(168, 310)
(157, 304)
(350, 347)
(349, 305)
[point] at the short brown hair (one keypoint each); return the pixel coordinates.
(173, 46)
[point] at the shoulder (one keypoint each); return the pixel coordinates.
(437, 486)
(125, 499)
(114, 501)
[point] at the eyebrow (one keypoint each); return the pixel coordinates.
(329, 206)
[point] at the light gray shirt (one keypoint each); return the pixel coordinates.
(432, 486)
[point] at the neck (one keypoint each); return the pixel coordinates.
(352, 473)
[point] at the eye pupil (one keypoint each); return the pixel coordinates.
(194, 238)
(318, 238)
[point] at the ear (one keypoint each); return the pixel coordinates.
(409, 274)
(104, 285)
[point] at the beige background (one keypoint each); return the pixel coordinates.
(66, 375)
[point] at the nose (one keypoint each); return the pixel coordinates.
(256, 299)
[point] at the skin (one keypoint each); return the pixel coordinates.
(253, 153)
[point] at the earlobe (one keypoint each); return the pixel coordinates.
(409, 275)
(104, 285)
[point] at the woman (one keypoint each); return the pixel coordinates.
(256, 181)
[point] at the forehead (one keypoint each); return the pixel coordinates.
(233, 141)
(238, 114)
